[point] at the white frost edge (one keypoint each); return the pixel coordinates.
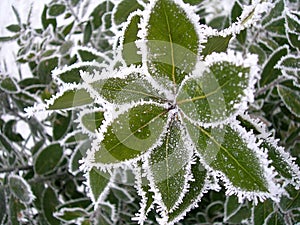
(60, 213)
(25, 183)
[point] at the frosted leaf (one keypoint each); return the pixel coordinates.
(20, 189)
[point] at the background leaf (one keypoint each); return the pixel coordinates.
(21, 189)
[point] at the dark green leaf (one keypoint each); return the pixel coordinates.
(45, 21)
(171, 32)
(9, 131)
(98, 13)
(292, 201)
(9, 85)
(168, 165)
(275, 12)
(236, 212)
(262, 211)
(8, 38)
(47, 159)
(49, 204)
(133, 87)
(291, 99)
(275, 218)
(89, 55)
(21, 189)
(6, 143)
(87, 34)
(15, 208)
(124, 8)
(97, 182)
(56, 10)
(70, 99)
(70, 214)
(45, 68)
(93, 120)
(61, 125)
(3, 209)
(76, 203)
(214, 96)
(77, 155)
(216, 44)
(67, 29)
(130, 49)
(224, 150)
(14, 28)
(131, 134)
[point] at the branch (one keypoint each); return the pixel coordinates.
(15, 169)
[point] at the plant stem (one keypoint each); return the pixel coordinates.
(11, 169)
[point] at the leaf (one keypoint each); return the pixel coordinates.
(20, 189)
(215, 95)
(132, 88)
(6, 143)
(224, 150)
(93, 120)
(9, 131)
(291, 99)
(3, 209)
(56, 10)
(15, 209)
(169, 166)
(97, 182)
(70, 214)
(61, 125)
(275, 218)
(45, 21)
(261, 211)
(123, 10)
(270, 73)
(70, 99)
(216, 44)
(44, 69)
(49, 204)
(78, 153)
(9, 85)
(87, 34)
(236, 212)
(8, 38)
(48, 159)
(171, 32)
(193, 2)
(194, 194)
(87, 54)
(130, 50)
(131, 134)
(13, 28)
(99, 12)
(275, 13)
(292, 200)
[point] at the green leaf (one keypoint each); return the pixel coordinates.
(130, 50)
(292, 200)
(99, 12)
(275, 218)
(169, 165)
(93, 120)
(87, 34)
(216, 94)
(8, 38)
(56, 10)
(15, 209)
(48, 159)
(171, 32)
(216, 44)
(61, 125)
(6, 143)
(131, 134)
(70, 99)
(89, 55)
(193, 2)
(9, 85)
(97, 181)
(194, 193)
(270, 73)
(45, 68)
(261, 211)
(20, 189)
(77, 155)
(49, 204)
(132, 88)
(3, 209)
(224, 150)
(235, 212)
(9, 131)
(14, 28)
(70, 214)
(291, 99)
(276, 12)
(124, 8)
(45, 21)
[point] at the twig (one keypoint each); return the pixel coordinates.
(11, 169)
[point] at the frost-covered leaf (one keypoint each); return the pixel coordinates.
(275, 12)
(70, 214)
(275, 218)
(133, 87)
(215, 44)
(61, 125)
(13, 28)
(89, 54)
(10, 133)
(293, 22)
(78, 153)
(197, 187)
(56, 10)
(269, 72)
(230, 152)
(47, 159)
(216, 94)
(8, 84)
(87, 34)
(92, 120)
(236, 212)
(21, 189)
(70, 99)
(172, 42)
(131, 134)
(124, 8)
(15, 210)
(49, 204)
(130, 50)
(261, 211)
(45, 68)
(292, 200)
(98, 182)
(98, 13)
(291, 99)
(169, 167)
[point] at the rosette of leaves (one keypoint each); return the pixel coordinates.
(168, 108)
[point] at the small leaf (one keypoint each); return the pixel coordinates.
(14, 28)
(21, 189)
(87, 54)
(275, 12)
(56, 10)
(215, 44)
(70, 214)
(291, 99)
(9, 131)
(131, 134)
(98, 13)
(70, 99)
(61, 125)
(216, 94)
(15, 208)
(45, 21)
(124, 8)
(171, 32)
(44, 69)
(169, 166)
(132, 88)
(78, 153)
(49, 204)
(47, 159)
(87, 34)
(98, 181)
(93, 120)
(130, 50)
(9, 85)
(193, 2)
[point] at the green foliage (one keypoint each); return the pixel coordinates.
(159, 107)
